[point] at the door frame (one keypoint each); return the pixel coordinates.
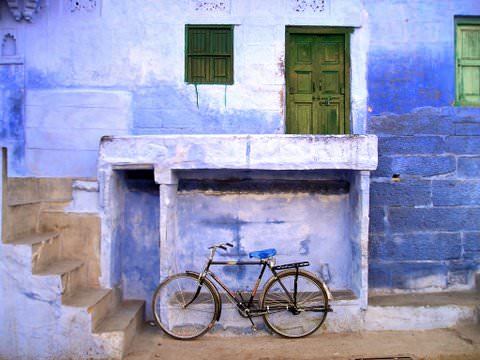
(323, 30)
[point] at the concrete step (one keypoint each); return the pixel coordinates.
(121, 326)
(45, 248)
(33, 239)
(71, 271)
(421, 311)
(20, 221)
(85, 297)
(59, 267)
(98, 302)
(35, 190)
(80, 238)
(121, 318)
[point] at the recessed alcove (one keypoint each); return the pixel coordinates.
(307, 196)
(293, 211)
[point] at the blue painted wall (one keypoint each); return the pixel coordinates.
(138, 259)
(165, 109)
(411, 58)
(424, 232)
(298, 225)
(12, 127)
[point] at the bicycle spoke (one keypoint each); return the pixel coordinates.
(294, 319)
(178, 320)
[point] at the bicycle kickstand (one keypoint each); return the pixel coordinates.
(254, 327)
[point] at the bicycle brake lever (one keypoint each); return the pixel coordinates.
(222, 247)
(229, 244)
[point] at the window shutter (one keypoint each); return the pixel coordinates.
(209, 54)
(468, 65)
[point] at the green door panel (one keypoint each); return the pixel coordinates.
(316, 77)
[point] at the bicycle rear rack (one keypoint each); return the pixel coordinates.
(291, 266)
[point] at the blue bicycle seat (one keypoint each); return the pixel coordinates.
(263, 254)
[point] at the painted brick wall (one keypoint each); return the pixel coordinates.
(425, 228)
(425, 232)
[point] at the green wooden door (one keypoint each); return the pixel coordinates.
(316, 84)
(468, 65)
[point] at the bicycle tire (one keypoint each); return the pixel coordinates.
(178, 321)
(286, 319)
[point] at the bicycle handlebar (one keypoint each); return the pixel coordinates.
(222, 246)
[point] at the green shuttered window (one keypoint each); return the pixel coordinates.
(467, 58)
(209, 54)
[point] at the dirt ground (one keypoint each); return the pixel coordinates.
(461, 343)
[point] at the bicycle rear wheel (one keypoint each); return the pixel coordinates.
(176, 313)
(298, 313)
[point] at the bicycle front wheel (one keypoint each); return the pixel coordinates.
(180, 311)
(296, 309)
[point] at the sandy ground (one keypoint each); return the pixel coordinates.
(462, 343)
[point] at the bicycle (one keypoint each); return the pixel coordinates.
(294, 302)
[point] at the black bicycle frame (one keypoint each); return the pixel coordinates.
(240, 303)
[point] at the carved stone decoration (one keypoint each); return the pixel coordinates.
(78, 6)
(210, 6)
(14, 7)
(303, 6)
(23, 9)
(30, 7)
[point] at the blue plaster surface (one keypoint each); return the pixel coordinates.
(297, 225)
(411, 57)
(406, 193)
(469, 167)
(411, 145)
(139, 244)
(422, 121)
(168, 109)
(377, 220)
(415, 165)
(407, 275)
(467, 128)
(417, 78)
(456, 192)
(472, 246)
(12, 130)
(418, 246)
(404, 219)
(467, 145)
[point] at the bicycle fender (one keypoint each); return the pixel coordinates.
(214, 288)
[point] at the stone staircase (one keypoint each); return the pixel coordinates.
(49, 270)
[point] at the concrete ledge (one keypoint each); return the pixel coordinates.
(421, 311)
(260, 152)
(416, 318)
